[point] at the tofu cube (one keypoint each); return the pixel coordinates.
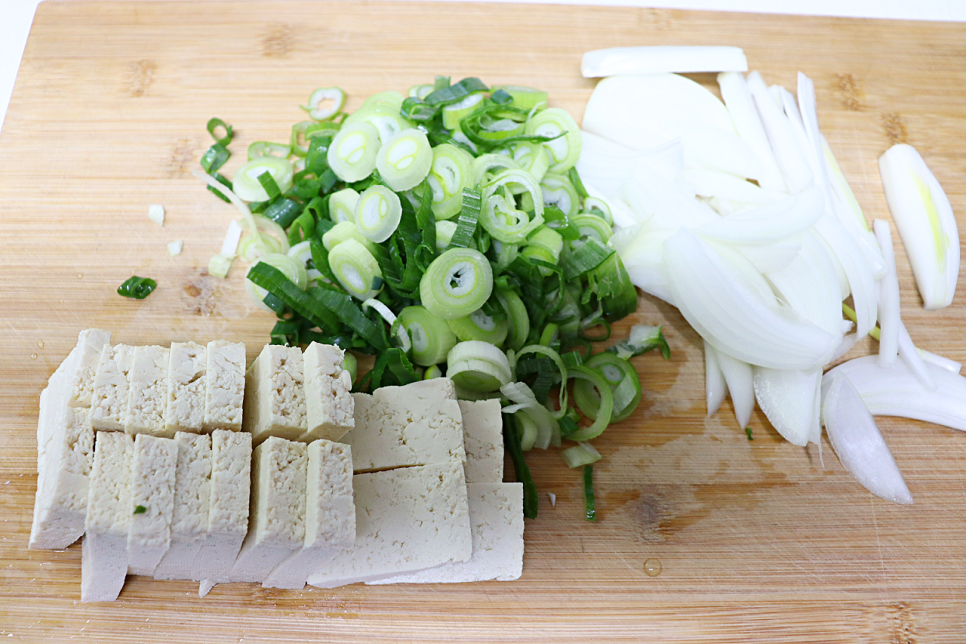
(231, 458)
(148, 392)
(274, 394)
(192, 495)
(185, 399)
(330, 410)
(224, 385)
(277, 515)
(152, 494)
(90, 345)
(109, 513)
(496, 517)
(483, 440)
(111, 388)
(330, 515)
(416, 424)
(407, 519)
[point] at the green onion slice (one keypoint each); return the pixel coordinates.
(431, 336)
(606, 408)
(356, 269)
(325, 103)
(478, 325)
(351, 364)
(642, 338)
(137, 288)
(444, 233)
(405, 159)
(268, 237)
(432, 372)
(564, 150)
(590, 506)
(544, 350)
(485, 164)
(623, 381)
(448, 175)
(420, 91)
(517, 317)
(559, 192)
(527, 403)
(592, 226)
(528, 430)
(291, 268)
(302, 253)
(396, 329)
(581, 454)
(457, 283)
(213, 125)
(341, 232)
(531, 501)
(478, 366)
(261, 149)
(524, 97)
(532, 157)
(455, 112)
(219, 265)
(378, 213)
(245, 181)
(342, 205)
(352, 153)
(599, 207)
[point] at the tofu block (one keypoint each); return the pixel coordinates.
(148, 391)
(55, 396)
(224, 385)
(483, 440)
(231, 458)
(496, 518)
(329, 408)
(152, 488)
(185, 398)
(330, 514)
(192, 495)
(90, 345)
(109, 513)
(111, 388)
(274, 394)
(60, 506)
(277, 515)
(407, 519)
(416, 424)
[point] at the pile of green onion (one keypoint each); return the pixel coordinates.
(445, 233)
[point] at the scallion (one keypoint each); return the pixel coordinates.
(137, 288)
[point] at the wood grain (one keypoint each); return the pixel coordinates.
(756, 539)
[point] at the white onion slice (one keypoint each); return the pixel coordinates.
(913, 359)
(859, 444)
(770, 258)
(848, 341)
(662, 59)
(713, 183)
(769, 223)
(619, 210)
(606, 165)
(642, 252)
(940, 361)
(787, 398)
(859, 275)
(652, 195)
(889, 316)
(809, 284)
(727, 314)
(739, 377)
(741, 106)
(793, 164)
(715, 386)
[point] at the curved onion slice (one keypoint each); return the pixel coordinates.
(741, 106)
(857, 271)
(714, 183)
(794, 165)
(889, 320)
(738, 376)
(769, 223)
(662, 59)
(642, 252)
(771, 257)
(809, 284)
(606, 165)
(788, 399)
(715, 386)
(653, 196)
(859, 444)
(734, 319)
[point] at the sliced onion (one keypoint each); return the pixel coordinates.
(606, 165)
(526, 403)
(788, 399)
(741, 106)
(809, 284)
(651, 195)
(715, 386)
(662, 59)
(769, 223)
(739, 377)
(889, 317)
(860, 278)
(794, 165)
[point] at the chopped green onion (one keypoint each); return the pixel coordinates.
(478, 366)
(606, 407)
(432, 372)
(642, 338)
(448, 175)
(398, 330)
(579, 455)
(528, 430)
(511, 441)
(214, 157)
(480, 326)
(405, 159)
(332, 98)
(246, 182)
(140, 509)
(290, 267)
(590, 506)
(356, 269)
(584, 258)
(214, 124)
(524, 97)
(564, 150)
(455, 112)
(532, 157)
(483, 165)
(341, 232)
(285, 291)
(466, 224)
(378, 213)
(136, 287)
(748, 432)
(517, 318)
(420, 91)
(600, 208)
(593, 226)
(431, 336)
(352, 153)
(456, 92)
(350, 364)
(219, 265)
(559, 192)
(624, 383)
(342, 205)
(269, 237)
(261, 149)
(457, 283)
(444, 233)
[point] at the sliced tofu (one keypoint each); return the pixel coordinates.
(109, 513)
(90, 345)
(148, 392)
(152, 494)
(277, 515)
(483, 440)
(330, 515)
(224, 386)
(407, 519)
(416, 424)
(185, 399)
(231, 458)
(111, 388)
(330, 410)
(496, 517)
(274, 394)
(192, 495)
(60, 507)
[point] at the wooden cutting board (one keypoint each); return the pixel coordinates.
(753, 539)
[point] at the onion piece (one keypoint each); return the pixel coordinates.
(940, 361)
(156, 214)
(771, 257)
(788, 399)
(715, 386)
(741, 106)
(859, 444)
(662, 59)
(911, 357)
(857, 271)
(794, 166)
(714, 183)
(738, 375)
(848, 341)
(809, 284)
(889, 317)
(732, 317)
(651, 195)
(770, 223)
(607, 165)
(926, 223)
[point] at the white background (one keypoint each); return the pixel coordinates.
(16, 16)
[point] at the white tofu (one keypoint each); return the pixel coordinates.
(152, 488)
(277, 515)
(496, 517)
(330, 515)
(231, 458)
(330, 410)
(185, 399)
(416, 424)
(192, 495)
(55, 396)
(60, 506)
(224, 385)
(407, 519)
(109, 513)
(274, 394)
(148, 385)
(90, 344)
(111, 388)
(483, 440)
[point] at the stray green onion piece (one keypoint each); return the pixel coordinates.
(140, 509)
(748, 431)
(136, 287)
(325, 103)
(246, 182)
(590, 506)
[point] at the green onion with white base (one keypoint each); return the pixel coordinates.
(448, 175)
(324, 103)
(478, 366)
(378, 213)
(341, 232)
(593, 226)
(525, 98)
(624, 384)
(356, 269)
(342, 205)
(518, 320)
(532, 157)
(483, 167)
(457, 283)
(559, 192)
(444, 234)
(431, 336)
(456, 112)
(405, 159)
(292, 268)
(480, 326)
(245, 181)
(581, 454)
(352, 153)
(302, 253)
(269, 238)
(555, 122)
(262, 149)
